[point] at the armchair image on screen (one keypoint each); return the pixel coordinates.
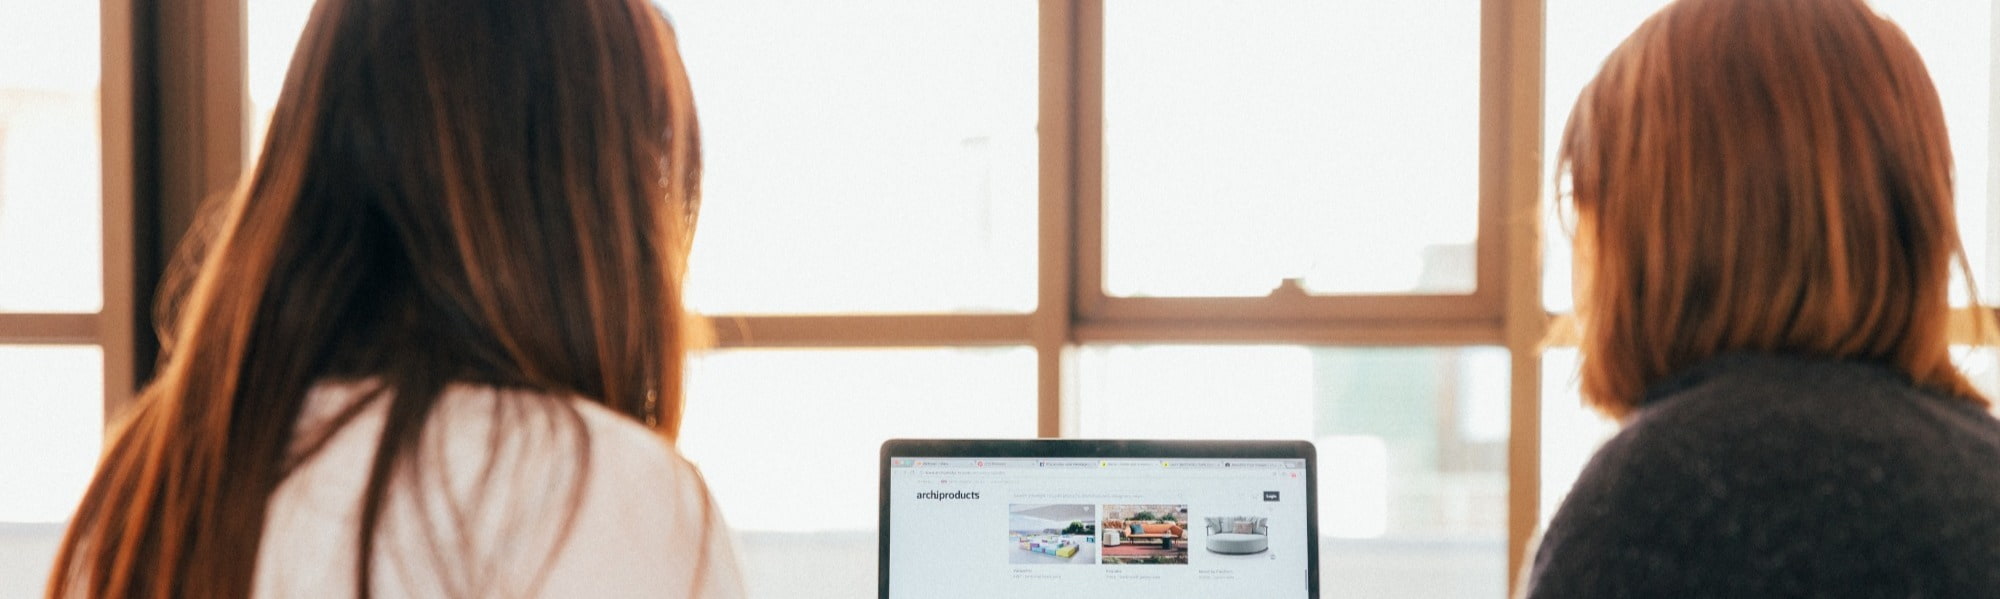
(1237, 535)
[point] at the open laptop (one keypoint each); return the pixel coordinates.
(971, 519)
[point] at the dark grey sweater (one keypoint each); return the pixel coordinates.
(1780, 476)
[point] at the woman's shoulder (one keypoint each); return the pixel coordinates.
(477, 428)
(549, 492)
(609, 461)
(639, 503)
(1784, 394)
(1748, 430)
(482, 421)
(1754, 473)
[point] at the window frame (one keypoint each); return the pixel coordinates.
(193, 72)
(111, 327)
(185, 64)
(1505, 309)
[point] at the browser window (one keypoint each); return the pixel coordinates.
(1130, 527)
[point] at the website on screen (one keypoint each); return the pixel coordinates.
(1058, 527)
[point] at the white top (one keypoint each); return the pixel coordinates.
(484, 516)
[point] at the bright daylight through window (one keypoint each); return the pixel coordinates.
(935, 192)
(51, 396)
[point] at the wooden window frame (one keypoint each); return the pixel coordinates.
(110, 328)
(175, 127)
(1505, 309)
(171, 129)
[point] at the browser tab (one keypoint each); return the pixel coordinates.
(1252, 464)
(1128, 464)
(1066, 464)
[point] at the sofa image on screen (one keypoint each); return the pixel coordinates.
(1237, 535)
(1164, 534)
(1146, 534)
(1056, 546)
(1052, 533)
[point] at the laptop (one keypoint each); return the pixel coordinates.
(972, 519)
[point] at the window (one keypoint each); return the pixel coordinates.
(1247, 148)
(54, 411)
(65, 241)
(787, 440)
(56, 352)
(1146, 218)
(959, 220)
(1153, 214)
(1413, 444)
(863, 157)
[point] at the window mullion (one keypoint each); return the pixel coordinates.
(1511, 125)
(1071, 70)
(116, 327)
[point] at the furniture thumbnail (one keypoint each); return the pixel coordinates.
(1166, 533)
(1053, 546)
(1239, 535)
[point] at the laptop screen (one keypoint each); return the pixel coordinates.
(975, 526)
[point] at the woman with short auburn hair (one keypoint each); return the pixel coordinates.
(433, 346)
(1764, 238)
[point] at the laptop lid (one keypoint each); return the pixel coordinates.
(972, 519)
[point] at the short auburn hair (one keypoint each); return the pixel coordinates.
(1765, 176)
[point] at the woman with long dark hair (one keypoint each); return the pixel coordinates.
(433, 347)
(1765, 238)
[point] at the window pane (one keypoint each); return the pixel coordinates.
(859, 157)
(27, 551)
(1332, 142)
(788, 441)
(50, 213)
(867, 156)
(1412, 445)
(1580, 33)
(1953, 37)
(1571, 432)
(274, 28)
(1981, 364)
(51, 426)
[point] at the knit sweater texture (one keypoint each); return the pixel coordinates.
(1756, 475)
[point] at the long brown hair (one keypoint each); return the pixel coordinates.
(1761, 175)
(496, 192)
